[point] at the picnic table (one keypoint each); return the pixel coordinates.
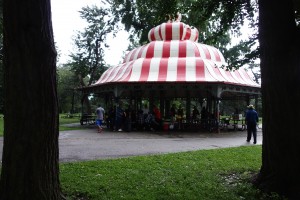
(233, 123)
(88, 119)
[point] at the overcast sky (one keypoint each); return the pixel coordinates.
(66, 21)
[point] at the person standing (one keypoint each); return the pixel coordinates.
(157, 116)
(128, 119)
(120, 118)
(110, 122)
(195, 114)
(145, 112)
(204, 118)
(251, 121)
(100, 116)
(145, 109)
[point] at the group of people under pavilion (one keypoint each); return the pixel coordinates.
(165, 113)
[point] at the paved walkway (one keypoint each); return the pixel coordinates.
(87, 144)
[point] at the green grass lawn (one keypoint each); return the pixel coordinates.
(1, 125)
(220, 174)
(62, 121)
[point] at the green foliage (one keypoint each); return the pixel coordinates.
(1, 125)
(206, 174)
(216, 20)
(68, 97)
(64, 120)
(1, 85)
(140, 16)
(257, 75)
(87, 61)
(244, 51)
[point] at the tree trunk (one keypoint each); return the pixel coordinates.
(30, 167)
(280, 69)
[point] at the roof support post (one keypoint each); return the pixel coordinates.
(188, 105)
(167, 108)
(162, 103)
(218, 93)
(218, 114)
(117, 91)
(256, 101)
(248, 100)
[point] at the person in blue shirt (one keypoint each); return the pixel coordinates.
(251, 121)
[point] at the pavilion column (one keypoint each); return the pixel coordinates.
(139, 105)
(218, 113)
(256, 101)
(248, 100)
(162, 103)
(117, 93)
(116, 102)
(167, 108)
(214, 105)
(217, 108)
(209, 104)
(151, 101)
(81, 105)
(106, 99)
(188, 106)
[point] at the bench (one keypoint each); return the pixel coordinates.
(87, 119)
(233, 123)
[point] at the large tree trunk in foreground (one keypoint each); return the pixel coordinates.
(30, 153)
(280, 70)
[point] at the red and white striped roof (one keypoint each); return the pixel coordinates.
(173, 55)
(173, 31)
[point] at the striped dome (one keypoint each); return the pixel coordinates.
(173, 31)
(175, 49)
(173, 55)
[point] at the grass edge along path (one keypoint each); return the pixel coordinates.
(62, 123)
(206, 174)
(63, 120)
(1, 125)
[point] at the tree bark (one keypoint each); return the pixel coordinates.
(30, 167)
(280, 70)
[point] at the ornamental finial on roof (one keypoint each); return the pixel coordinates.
(174, 29)
(178, 19)
(170, 19)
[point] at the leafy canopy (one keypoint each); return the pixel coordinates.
(88, 59)
(218, 21)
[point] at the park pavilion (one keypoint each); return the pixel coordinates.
(173, 65)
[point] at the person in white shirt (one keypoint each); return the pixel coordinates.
(100, 116)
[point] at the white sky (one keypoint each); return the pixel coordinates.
(66, 21)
